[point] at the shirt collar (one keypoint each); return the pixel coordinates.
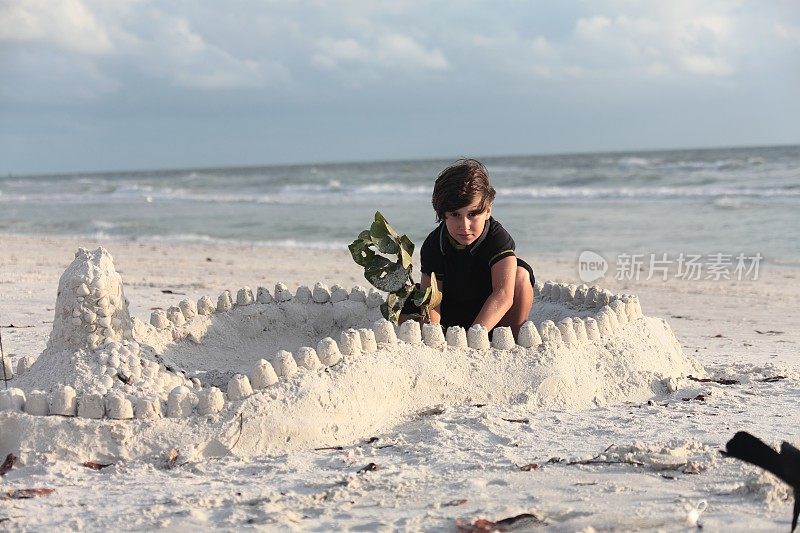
(445, 239)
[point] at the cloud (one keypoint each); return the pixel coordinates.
(705, 65)
(671, 40)
(113, 44)
(590, 28)
(605, 40)
(66, 23)
(788, 32)
(203, 56)
(294, 49)
(389, 51)
(178, 53)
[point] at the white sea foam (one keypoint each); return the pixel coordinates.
(652, 193)
(278, 243)
(312, 204)
(303, 194)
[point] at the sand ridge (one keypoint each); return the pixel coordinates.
(273, 360)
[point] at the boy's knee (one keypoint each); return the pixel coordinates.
(523, 278)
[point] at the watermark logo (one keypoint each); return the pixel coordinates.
(591, 266)
(686, 266)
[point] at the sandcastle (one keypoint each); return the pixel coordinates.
(263, 371)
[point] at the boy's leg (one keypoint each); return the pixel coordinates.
(523, 302)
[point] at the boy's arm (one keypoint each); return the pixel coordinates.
(502, 297)
(435, 314)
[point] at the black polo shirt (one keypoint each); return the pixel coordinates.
(465, 271)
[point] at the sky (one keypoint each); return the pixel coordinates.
(92, 85)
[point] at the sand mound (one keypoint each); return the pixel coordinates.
(271, 371)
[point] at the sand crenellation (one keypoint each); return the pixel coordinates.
(313, 365)
(612, 312)
(310, 354)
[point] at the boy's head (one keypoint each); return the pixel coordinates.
(459, 185)
(462, 198)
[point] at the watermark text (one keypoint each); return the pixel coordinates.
(661, 266)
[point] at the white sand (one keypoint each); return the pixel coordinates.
(445, 455)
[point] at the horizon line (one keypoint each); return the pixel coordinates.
(397, 160)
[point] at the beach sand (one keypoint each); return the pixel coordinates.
(458, 463)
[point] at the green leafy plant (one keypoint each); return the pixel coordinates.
(393, 277)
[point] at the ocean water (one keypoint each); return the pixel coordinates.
(729, 201)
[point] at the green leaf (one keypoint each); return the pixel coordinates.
(386, 312)
(430, 298)
(361, 252)
(392, 308)
(386, 275)
(420, 297)
(392, 299)
(406, 245)
(408, 289)
(389, 229)
(383, 235)
(406, 251)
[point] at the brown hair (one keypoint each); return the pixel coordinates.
(459, 185)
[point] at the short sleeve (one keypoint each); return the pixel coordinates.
(431, 259)
(499, 244)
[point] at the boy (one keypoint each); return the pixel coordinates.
(481, 280)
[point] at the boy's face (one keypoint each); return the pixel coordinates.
(465, 225)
